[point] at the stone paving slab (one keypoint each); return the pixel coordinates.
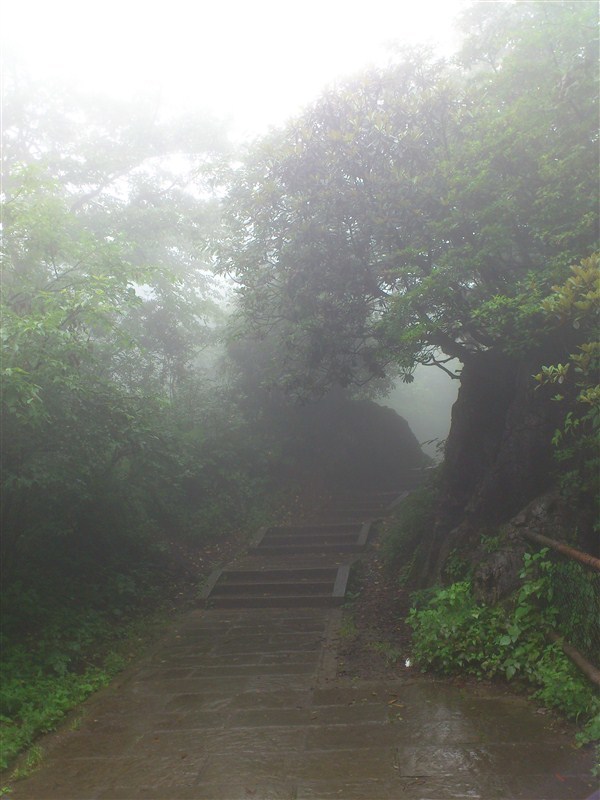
(242, 704)
(168, 732)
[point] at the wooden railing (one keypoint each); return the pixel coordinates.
(589, 562)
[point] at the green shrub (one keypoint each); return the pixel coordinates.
(52, 668)
(562, 686)
(453, 634)
(35, 703)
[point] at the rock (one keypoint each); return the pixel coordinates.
(356, 444)
(498, 576)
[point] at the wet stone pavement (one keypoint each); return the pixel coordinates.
(244, 703)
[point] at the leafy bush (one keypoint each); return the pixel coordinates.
(47, 673)
(34, 703)
(453, 634)
(562, 686)
(573, 309)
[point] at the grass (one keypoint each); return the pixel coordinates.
(30, 763)
(389, 651)
(42, 680)
(348, 629)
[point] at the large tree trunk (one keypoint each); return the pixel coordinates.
(498, 454)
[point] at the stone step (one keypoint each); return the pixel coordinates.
(352, 508)
(356, 519)
(272, 589)
(286, 540)
(306, 539)
(374, 505)
(324, 587)
(339, 529)
(351, 516)
(279, 575)
(289, 601)
(307, 549)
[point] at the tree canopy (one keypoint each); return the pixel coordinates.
(108, 303)
(422, 212)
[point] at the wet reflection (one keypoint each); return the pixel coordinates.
(245, 709)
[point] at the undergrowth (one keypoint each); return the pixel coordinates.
(43, 678)
(453, 634)
(404, 534)
(65, 635)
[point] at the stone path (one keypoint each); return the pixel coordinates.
(241, 703)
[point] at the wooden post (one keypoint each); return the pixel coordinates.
(588, 669)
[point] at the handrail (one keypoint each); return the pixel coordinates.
(565, 549)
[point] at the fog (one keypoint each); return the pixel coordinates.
(253, 64)
(426, 405)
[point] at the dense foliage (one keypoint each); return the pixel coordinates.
(573, 309)
(112, 426)
(118, 445)
(455, 634)
(422, 212)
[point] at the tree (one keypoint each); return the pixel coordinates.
(421, 214)
(105, 307)
(135, 181)
(426, 208)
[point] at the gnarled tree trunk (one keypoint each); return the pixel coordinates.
(498, 454)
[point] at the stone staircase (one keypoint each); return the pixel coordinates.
(304, 565)
(293, 539)
(275, 588)
(244, 701)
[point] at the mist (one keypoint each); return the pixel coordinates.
(426, 404)
(229, 233)
(246, 64)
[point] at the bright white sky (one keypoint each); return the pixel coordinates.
(254, 62)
